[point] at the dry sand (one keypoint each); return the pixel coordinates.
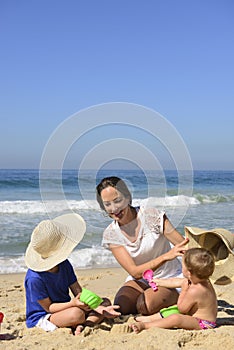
(112, 334)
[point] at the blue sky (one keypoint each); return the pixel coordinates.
(172, 56)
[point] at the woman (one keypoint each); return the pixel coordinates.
(139, 238)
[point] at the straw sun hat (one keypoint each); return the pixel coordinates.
(53, 240)
(221, 243)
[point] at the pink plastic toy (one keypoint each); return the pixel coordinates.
(1, 319)
(148, 276)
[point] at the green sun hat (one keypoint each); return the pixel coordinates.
(90, 298)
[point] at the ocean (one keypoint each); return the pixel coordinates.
(28, 196)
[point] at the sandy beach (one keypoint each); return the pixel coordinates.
(109, 334)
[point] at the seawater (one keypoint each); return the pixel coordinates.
(27, 197)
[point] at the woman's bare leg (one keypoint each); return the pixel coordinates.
(137, 298)
(128, 295)
(151, 302)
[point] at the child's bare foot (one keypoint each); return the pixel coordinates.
(138, 327)
(79, 329)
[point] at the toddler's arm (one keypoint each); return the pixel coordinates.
(187, 298)
(173, 282)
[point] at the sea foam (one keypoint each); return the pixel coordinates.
(37, 207)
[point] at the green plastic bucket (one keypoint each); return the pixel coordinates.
(90, 298)
(168, 311)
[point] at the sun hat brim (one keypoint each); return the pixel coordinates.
(221, 243)
(225, 237)
(73, 226)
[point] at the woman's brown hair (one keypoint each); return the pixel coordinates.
(117, 183)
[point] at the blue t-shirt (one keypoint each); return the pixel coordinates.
(41, 285)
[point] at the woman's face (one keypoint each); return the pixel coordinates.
(115, 204)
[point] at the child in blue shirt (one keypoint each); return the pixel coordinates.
(50, 278)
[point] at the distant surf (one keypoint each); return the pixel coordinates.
(210, 204)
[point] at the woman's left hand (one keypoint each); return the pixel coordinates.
(178, 249)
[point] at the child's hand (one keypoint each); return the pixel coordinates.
(185, 285)
(108, 311)
(80, 304)
(157, 281)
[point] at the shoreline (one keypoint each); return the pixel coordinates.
(114, 334)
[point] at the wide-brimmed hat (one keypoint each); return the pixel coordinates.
(221, 243)
(53, 240)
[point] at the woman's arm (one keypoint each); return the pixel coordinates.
(136, 271)
(171, 233)
(173, 236)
